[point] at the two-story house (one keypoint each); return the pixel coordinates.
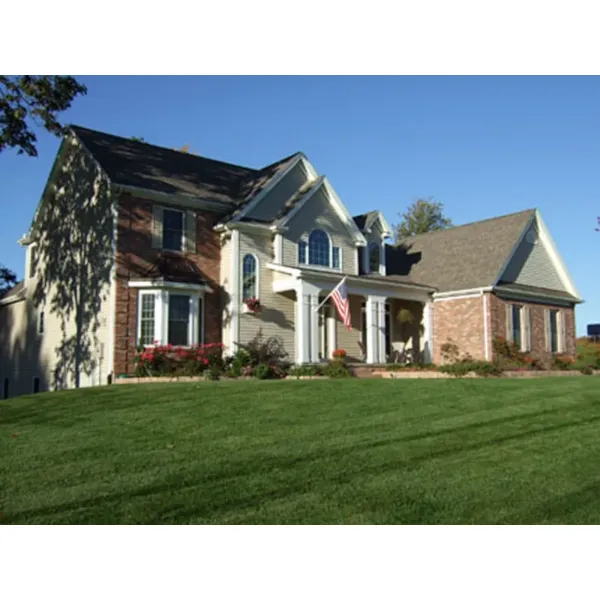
(133, 244)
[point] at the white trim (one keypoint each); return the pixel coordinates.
(138, 334)
(282, 285)
(254, 201)
(557, 261)
(278, 248)
(386, 230)
(356, 262)
(312, 174)
(257, 275)
(20, 295)
(486, 333)
(462, 293)
(306, 239)
(463, 297)
(283, 269)
(542, 297)
(344, 215)
(175, 285)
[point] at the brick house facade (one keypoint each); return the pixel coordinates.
(180, 241)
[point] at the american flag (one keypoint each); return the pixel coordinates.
(342, 304)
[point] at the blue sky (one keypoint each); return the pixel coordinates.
(483, 146)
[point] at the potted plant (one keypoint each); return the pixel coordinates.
(339, 354)
(252, 305)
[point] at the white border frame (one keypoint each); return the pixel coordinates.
(257, 282)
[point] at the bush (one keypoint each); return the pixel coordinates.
(479, 367)
(237, 362)
(450, 352)
(588, 370)
(337, 369)
(266, 351)
(306, 371)
(169, 360)
(561, 362)
(262, 371)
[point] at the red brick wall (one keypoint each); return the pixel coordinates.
(135, 254)
(538, 335)
(459, 321)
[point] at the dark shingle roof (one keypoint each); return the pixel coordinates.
(364, 220)
(463, 257)
(142, 165)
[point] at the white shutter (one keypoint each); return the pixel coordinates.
(509, 323)
(190, 231)
(562, 324)
(547, 329)
(526, 317)
(157, 226)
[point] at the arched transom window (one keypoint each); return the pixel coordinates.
(319, 248)
(249, 277)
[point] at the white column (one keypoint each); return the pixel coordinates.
(302, 325)
(371, 321)
(381, 331)
(314, 327)
(235, 300)
(428, 331)
(331, 331)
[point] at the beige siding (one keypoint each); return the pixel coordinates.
(74, 242)
(277, 317)
(317, 212)
(532, 265)
(273, 202)
(350, 341)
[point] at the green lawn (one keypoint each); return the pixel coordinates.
(355, 451)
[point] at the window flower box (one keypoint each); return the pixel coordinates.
(251, 305)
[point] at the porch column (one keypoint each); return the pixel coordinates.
(428, 332)
(375, 325)
(314, 328)
(302, 324)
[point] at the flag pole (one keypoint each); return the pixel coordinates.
(331, 292)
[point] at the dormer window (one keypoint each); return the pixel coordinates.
(319, 251)
(172, 230)
(374, 257)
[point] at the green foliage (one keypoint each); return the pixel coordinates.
(7, 279)
(587, 370)
(337, 369)
(235, 364)
(417, 366)
(450, 352)
(560, 362)
(306, 371)
(423, 216)
(462, 368)
(262, 371)
(261, 350)
(39, 99)
(173, 361)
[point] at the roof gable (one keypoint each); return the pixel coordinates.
(462, 257)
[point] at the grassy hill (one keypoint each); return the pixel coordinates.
(356, 451)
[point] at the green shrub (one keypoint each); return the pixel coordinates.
(267, 351)
(337, 369)
(479, 367)
(588, 370)
(262, 371)
(306, 371)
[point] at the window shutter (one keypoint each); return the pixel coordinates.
(190, 231)
(157, 226)
(547, 329)
(562, 322)
(509, 323)
(527, 328)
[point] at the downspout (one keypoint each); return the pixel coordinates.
(486, 336)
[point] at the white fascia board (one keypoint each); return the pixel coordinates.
(344, 215)
(162, 284)
(462, 293)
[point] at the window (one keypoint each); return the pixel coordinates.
(553, 330)
(302, 252)
(5, 390)
(41, 319)
(249, 277)
(336, 257)
(179, 320)
(200, 339)
(36, 385)
(374, 259)
(319, 248)
(516, 324)
(147, 319)
(172, 230)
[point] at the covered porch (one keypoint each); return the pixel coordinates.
(390, 321)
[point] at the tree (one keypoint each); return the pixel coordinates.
(7, 279)
(27, 98)
(422, 216)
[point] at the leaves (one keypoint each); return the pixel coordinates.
(7, 279)
(28, 99)
(423, 216)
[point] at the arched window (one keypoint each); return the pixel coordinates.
(319, 249)
(249, 277)
(374, 259)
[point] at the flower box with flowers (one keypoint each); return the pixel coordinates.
(251, 305)
(167, 360)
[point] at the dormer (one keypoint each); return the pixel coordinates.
(376, 230)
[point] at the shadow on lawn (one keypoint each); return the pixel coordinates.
(207, 507)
